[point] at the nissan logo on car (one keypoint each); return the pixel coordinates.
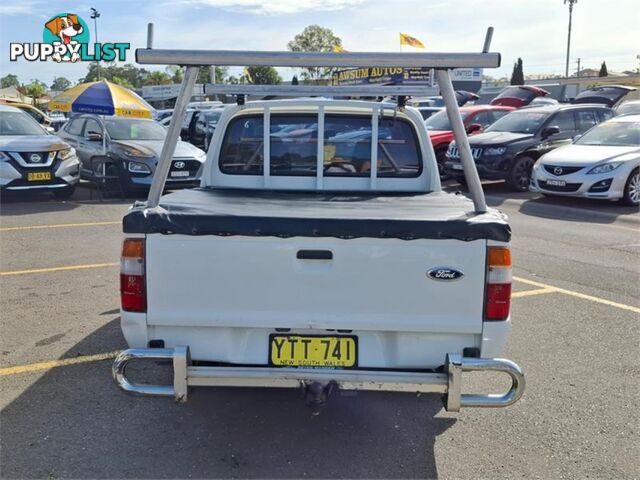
(179, 164)
(445, 274)
(35, 158)
(557, 171)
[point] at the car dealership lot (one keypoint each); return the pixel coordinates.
(575, 311)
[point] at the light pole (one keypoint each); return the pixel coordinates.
(571, 2)
(95, 14)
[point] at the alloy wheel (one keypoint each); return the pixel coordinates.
(523, 173)
(634, 188)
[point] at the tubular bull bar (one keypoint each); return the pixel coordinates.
(449, 383)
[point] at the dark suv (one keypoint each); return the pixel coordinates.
(508, 149)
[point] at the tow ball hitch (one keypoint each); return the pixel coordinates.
(316, 395)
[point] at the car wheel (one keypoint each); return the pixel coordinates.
(440, 159)
(519, 176)
(63, 193)
(632, 189)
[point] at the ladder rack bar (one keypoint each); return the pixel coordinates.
(318, 90)
(147, 56)
(171, 140)
(462, 142)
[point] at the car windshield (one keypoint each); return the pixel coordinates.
(622, 134)
(440, 121)
(134, 129)
(519, 122)
(18, 123)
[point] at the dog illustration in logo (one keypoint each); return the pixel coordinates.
(65, 27)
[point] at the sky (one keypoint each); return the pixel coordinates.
(535, 30)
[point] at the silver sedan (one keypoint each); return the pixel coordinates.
(603, 163)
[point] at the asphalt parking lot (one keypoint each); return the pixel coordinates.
(576, 310)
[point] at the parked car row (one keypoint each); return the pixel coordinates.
(508, 149)
(31, 158)
(506, 142)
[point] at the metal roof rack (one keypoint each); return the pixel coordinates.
(441, 62)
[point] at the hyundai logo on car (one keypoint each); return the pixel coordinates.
(179, 164)
(444, 273)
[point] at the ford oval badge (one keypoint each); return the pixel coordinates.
(445, 274)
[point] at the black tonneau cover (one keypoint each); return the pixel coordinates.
(342, 215)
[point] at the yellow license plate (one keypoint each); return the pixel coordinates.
(313, 351)
(38, 176)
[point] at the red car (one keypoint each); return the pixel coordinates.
(519, 95)
(476, 118)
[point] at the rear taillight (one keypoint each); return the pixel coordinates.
(497, 301)
(133, 295)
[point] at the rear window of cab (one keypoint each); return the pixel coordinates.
(293, 146)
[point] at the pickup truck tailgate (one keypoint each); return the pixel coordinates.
(366, 284)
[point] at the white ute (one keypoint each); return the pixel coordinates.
(319, 251)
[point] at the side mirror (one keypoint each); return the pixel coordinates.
(577, 137)
(547, 132)
(94, 137)
(474, 128)
(50, 129)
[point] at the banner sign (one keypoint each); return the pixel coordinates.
(466, 74)
(380, 75)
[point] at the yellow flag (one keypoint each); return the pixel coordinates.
(409, 40)
(339, 49)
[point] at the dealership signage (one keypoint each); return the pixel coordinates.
(397, 75)
(378, 75)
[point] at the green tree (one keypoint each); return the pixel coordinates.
(294, 80)
(35, 89)
(263, 76)
(176, 73)
(603, 70)
(157, 78)
(517, 76)
(9, 80)
(133, 75)
(204, 75)
(315, 38)
(123, 82)
(60, 84)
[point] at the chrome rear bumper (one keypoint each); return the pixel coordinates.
(186, 375)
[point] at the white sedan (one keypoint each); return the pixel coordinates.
(603, 163)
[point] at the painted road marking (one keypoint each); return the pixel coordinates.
(34, 367)
(59, 225)
(529, 293)
(58, 269)
(591, 298)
